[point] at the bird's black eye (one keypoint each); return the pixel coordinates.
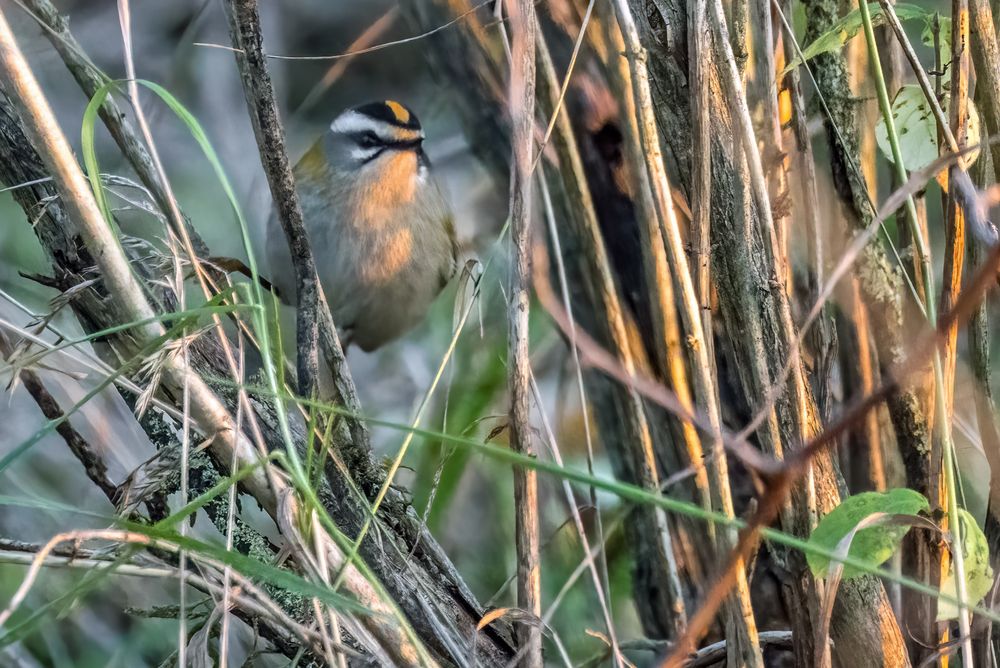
(368, 140)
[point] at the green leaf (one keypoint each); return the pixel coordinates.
(847, 27)
(978, 573)
(915, 126)
(917, 130)
(873, 545)
(89, 152)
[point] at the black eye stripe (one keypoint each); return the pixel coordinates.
(368, 138)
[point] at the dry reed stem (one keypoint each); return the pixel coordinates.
(814, 232)
(700, 63)
(986, 55)
(954, 260)
(638, 448)
(866, 368)
(522, 111)
(740, 623)
(801, 396)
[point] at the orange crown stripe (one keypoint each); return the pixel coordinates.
(401, 113)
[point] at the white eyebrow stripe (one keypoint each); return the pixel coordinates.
(351, 122)
(364, 154)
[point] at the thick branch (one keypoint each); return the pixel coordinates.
(96, 468)
(244, 28)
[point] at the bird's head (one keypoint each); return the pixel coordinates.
(369, 137)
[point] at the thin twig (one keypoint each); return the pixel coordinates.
(370, 49)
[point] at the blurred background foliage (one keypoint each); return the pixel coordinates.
(116, 624)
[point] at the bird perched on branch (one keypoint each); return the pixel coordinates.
(379, 226)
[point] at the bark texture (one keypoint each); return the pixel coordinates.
(749, 302)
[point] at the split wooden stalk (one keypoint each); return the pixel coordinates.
(755, 176)
(805, 170)
(648, 160)
(866, 470)
(699, 66)
(955, 242)
(751, 166)
(954, 254)
(986, 52)
(954, 260)
(669, 354)
(875, 468)
(774, 153)
(663, 610)
(522, 106)
(862, 623)
(207, 411)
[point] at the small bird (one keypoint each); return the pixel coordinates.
(379, 225)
